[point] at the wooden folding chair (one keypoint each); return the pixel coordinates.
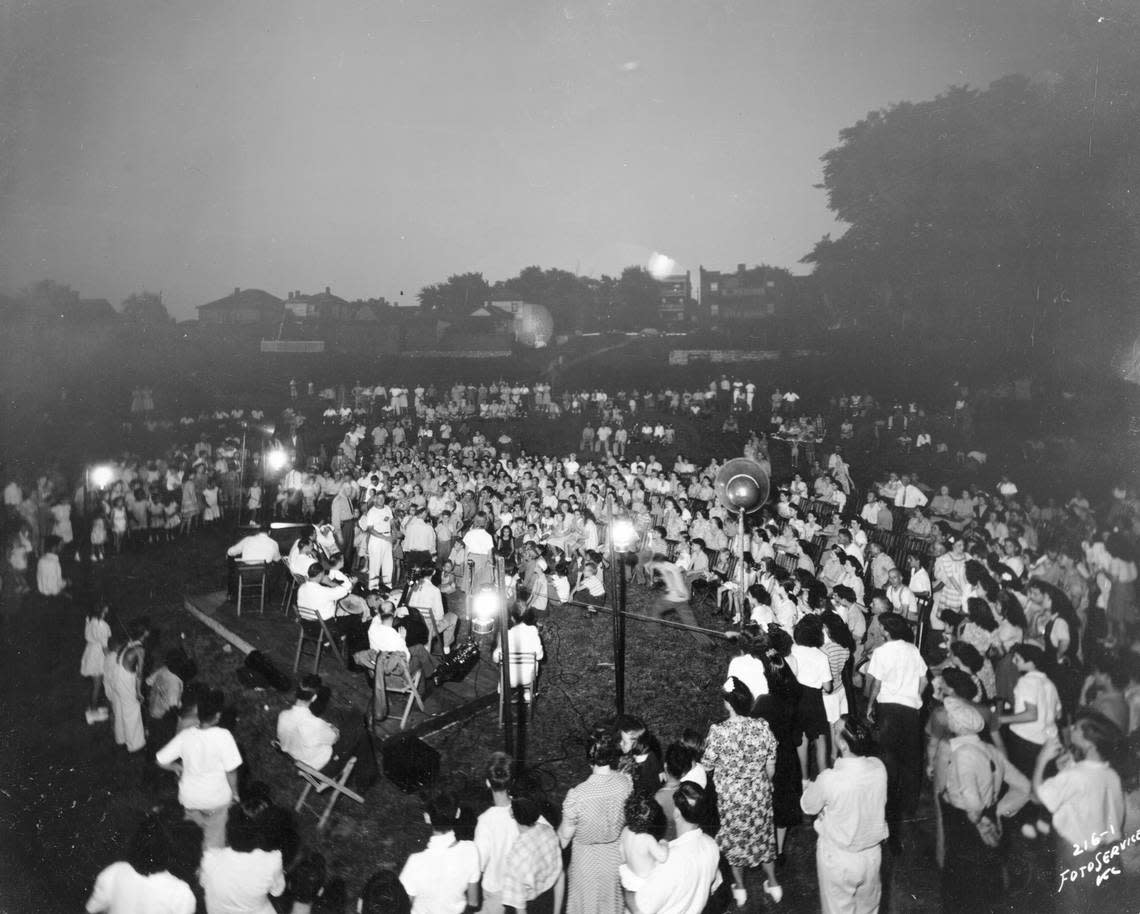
(312, 630)
(320, 782)
(399, 682)
(289, 600)
(252, 576)
(524, 675)
(433, 632)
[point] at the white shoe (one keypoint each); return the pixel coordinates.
(1043, 827)
(775, 892)
(740, 895)
(1028, 831)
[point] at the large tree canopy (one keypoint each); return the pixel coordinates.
(1008, 214)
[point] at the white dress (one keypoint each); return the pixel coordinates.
(96, 633)
(212, 511)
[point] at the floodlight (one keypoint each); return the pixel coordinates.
(623, 534)
(102, 476)
(486, 603)
(276, 460)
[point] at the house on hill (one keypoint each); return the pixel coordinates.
(244, 308)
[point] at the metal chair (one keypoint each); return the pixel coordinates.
(315, 780)
(252, 576)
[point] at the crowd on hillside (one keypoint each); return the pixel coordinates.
(978, 645)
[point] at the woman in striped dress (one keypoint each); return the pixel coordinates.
(593, 815)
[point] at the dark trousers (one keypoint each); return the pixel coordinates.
(348, 538)
(971, 876)
(900, 744)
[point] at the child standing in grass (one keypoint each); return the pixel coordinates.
(97, 634)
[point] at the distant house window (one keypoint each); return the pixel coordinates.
(771, 283)
(771, 308)
(714, 286)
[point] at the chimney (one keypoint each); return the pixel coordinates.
(328, 291)
(236, 290)
(740, 268)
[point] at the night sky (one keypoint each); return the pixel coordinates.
(191, 147)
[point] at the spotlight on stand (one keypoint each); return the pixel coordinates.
(276, 460)
(102, 476)
(624, 534)
(486, 606)
(742, 486)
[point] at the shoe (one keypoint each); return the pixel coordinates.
(92, 716)
(1043, 827)
(1028, 831)
(775, 892)
(740, 895)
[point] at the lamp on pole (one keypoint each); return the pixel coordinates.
(742, 486)
(622, 538)
(489, 604)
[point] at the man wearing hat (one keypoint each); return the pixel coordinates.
(971, 878)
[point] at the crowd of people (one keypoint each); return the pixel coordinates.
(978, 647)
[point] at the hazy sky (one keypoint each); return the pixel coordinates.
(375, 146)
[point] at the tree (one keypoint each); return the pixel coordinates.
(638, 303)
(146, 308)
(460, 295)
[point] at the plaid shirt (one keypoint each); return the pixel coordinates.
(533, 864)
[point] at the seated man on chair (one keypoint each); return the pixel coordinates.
(258, 547)
(304, 735)
(522, 638)
(425, 595)
(317, 600)
(385, 638)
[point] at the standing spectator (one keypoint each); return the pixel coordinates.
(496, 831)
(206, 760)
(849, 802)
(593, 815)
(150, 880)
(50, 581)
(740, 754)
(683, 883)
(444, 877)
(1086, 799)
(239, 878)
(533, 881)
(896, 679)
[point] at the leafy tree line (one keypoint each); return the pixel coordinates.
(1008, 215)
(627, 302)
(47, 301)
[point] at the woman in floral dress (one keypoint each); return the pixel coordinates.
(740, 754)
(593, 816)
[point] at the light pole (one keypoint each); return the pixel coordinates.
(742, 486)
(488, 604)
(622, 538)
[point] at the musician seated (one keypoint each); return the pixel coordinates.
(306, 737)
(426, 595)
(317, 598)
(301, 556)
(384, 638)
(324, 541)
(253, 549)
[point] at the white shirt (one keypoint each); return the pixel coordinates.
(386, 640)
(898, 666)
(120, 889)
(910, 496)
(207, 755)
(1086, 800)
(436, 879)
(240, 883)
(426, 595)
(811, 666)
(522, 639)
(903, 601)
(750, 671)
(683, 883)
(1037, 689)
(315, 599)
(258, 547)
(478, 541)
(495, 832)
(49, 575)
(378, 520)
(305, 736)
(418, 536)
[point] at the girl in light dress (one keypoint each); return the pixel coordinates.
(210, 494)
(156, 516)
(96, 634)
(642, 847)
(61, 521)
(253, 504)
(98, 538)
(122, 672)
(119, 522)
(171, 513)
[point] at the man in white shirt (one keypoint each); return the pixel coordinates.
(909, 496)
(258, 547)
(343, 519)
(377, 527)
(426, 596)
(896, 679)
(49, 573)
(419, 540)
(303, 735)
(443, 878)
(479, 545)
(683, 883)
(901, 598)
